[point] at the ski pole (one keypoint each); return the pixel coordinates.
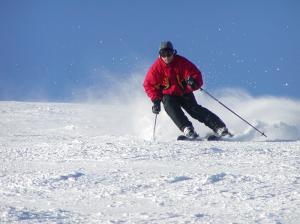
(154, 127)
(262, 133)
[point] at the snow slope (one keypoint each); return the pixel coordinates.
(96, 163)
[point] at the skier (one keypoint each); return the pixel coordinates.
(172, 80)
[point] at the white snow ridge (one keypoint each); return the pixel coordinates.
(97, 163)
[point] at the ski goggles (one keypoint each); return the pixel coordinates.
(166, 52)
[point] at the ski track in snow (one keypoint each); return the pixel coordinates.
(56, 168)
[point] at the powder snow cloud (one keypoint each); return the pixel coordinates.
(128, 111)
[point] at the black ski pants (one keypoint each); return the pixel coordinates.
(173, 106)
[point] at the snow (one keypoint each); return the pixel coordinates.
(97, 163)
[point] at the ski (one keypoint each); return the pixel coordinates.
(184, 138)
(208, 137)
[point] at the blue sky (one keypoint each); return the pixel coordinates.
(50, 48)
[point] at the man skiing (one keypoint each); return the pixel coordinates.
(172, 80)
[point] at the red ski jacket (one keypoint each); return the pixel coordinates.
(170, 79)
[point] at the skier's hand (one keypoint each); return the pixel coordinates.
(156, 106)
(191, 82)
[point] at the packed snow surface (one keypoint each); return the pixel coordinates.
(98, 163)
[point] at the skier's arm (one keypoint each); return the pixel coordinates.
(152, 85)
(193, 73)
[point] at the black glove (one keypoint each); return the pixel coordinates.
(191, 82)
(156, 106)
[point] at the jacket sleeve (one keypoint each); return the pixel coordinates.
(152, 84)
(191, 70)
